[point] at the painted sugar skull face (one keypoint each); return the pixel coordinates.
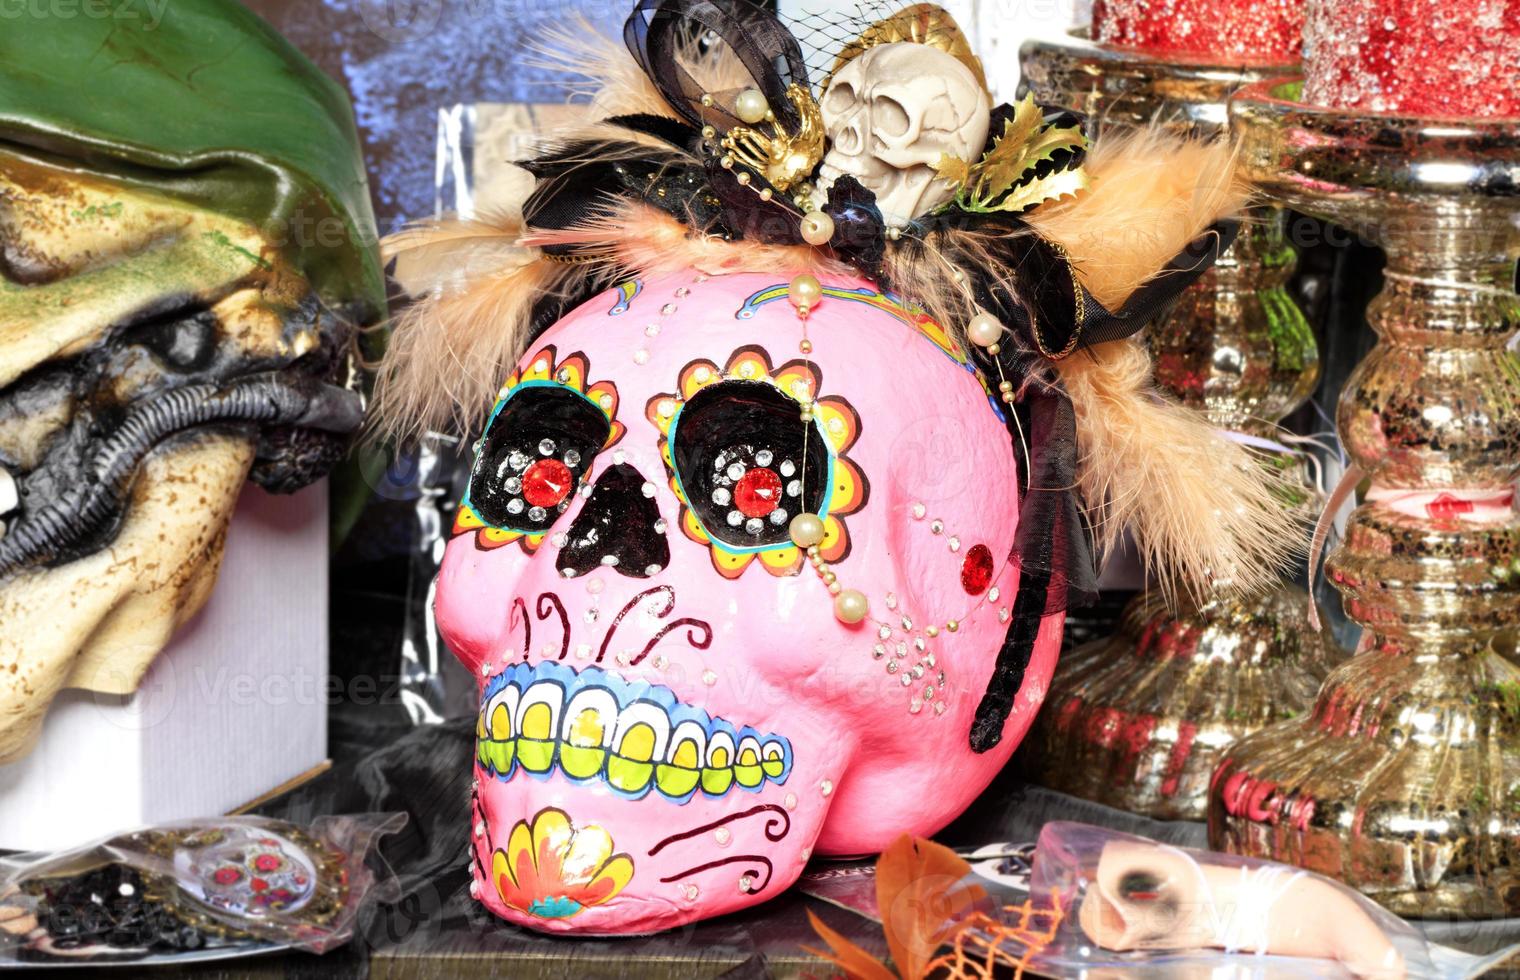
(673, 718)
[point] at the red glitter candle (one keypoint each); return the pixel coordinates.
(1234, 32)
(1445, 58)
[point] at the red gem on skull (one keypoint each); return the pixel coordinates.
(258, 884)
(547, 482)
(758, 492)
(266, 862)
(226, 876)
(976, 570)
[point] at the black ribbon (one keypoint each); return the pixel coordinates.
(1053, 549)
(658, 31)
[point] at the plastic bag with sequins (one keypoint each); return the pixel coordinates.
(196, 889)
(1104, 903)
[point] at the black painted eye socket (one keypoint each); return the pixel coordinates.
(738, 450)
(534, 454)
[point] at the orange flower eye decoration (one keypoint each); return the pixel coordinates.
(744, 462)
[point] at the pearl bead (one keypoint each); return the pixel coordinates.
(804, 291)
(817, 228)
(765, 194)
(984, 329)
(742, 178)
(953, 625)
(806, 347)
(751, 106)
(850, 606)
(807, 530)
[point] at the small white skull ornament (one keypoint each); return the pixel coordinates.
(891, 113)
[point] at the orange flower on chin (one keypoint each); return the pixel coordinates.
(553, 870)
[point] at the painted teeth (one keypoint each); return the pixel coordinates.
(635, 737)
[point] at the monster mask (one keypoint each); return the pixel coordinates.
(777, 504)
(186, 253)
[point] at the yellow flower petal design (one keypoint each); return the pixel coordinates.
(620, 871)
(786, 560)
(501, 865)
(588, 852)
(551, 834)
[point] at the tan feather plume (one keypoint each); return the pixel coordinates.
(475, 288)
(646, 241)
(613, 84)
(1151, 194)
(603, 75)
(1200, 507)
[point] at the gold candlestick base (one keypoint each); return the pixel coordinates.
(1138, 720)
(1142, 717)
(1404, 780)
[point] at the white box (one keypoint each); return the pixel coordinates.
(234, 707)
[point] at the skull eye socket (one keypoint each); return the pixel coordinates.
(888, 116)
(747, 464)
(537, 448)
(840, 97)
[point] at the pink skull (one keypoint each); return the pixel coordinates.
(673, 718)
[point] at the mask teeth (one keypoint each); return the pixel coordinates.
(637, 738)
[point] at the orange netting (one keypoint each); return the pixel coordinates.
(984, 946)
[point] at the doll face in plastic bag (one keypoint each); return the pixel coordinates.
(673, 719)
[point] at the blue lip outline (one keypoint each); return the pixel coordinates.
(625, 693)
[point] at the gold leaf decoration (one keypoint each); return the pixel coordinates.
(1004, 179)
(922, 23)
(1060, 184)
(952, 170)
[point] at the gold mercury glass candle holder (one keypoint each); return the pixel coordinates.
(1404, 779)
(1139, 720)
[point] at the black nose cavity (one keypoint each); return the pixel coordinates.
(619, 527)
